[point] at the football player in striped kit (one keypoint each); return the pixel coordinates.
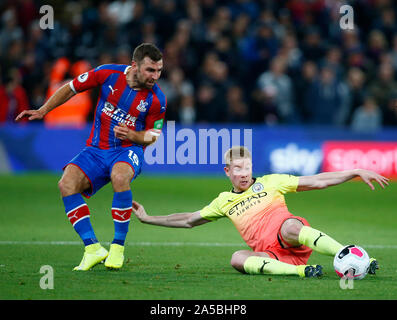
(129, 115)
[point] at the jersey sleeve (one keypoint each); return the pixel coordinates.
(284, 182)
(156, 115)
(89, 79)
(212, 212)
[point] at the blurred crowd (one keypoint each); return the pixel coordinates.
(247, 61)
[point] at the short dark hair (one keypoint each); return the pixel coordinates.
(236, 152)
(146, 50)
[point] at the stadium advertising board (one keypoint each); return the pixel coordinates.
(293, 157)
(377, 156)
(199, 149)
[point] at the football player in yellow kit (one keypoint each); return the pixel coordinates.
(281, 243)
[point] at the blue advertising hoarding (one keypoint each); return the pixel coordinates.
(196, 149)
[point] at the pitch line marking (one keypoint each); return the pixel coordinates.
(165, 244)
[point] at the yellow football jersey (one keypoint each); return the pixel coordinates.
(253, 210)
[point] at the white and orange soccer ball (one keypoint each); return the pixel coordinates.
(351, 262)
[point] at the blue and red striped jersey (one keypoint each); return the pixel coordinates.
(139, 109)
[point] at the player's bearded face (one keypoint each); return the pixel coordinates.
(240, 174)
(147, 73)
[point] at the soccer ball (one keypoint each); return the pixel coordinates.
(352, 262)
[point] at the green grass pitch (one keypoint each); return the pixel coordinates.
(166, 263)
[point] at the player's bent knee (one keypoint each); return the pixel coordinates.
(64, 187)
(290, 230)
(121, 176)
(120, 182)
(238, 259)
(73, 181)
(67, 187)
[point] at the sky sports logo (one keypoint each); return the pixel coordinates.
(296, 158)
(304, 158)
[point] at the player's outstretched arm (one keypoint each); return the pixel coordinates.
(175, 220)
(327, 179)
(60, 96)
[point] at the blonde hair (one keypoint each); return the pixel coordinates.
(236, 152)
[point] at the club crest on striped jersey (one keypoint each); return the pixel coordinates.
(108, 106)
(83, 77)
(142, 106)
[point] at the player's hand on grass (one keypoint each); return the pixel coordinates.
(121, 131)
(139, 211)
(368, 176)
(31, 114)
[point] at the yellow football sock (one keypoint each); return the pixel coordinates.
(319, 241)
(264, 265)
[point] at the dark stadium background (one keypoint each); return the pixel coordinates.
(245, 64)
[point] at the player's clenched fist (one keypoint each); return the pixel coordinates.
(146, 137)
(121, 131)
